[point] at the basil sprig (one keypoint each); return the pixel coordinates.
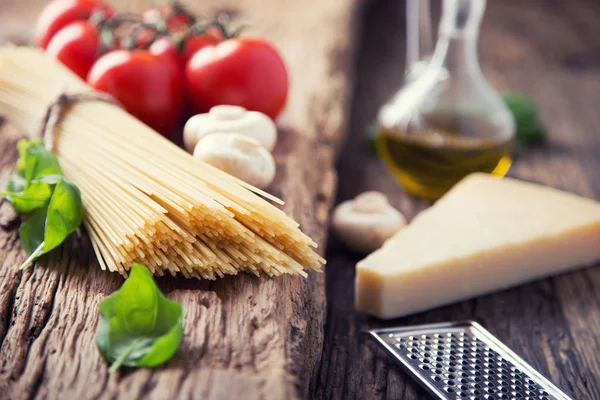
(529, 128)
(50, 204)
(139, 326)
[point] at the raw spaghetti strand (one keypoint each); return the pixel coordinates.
(146, 200)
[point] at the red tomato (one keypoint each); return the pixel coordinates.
(190, 47)
(77, 46)
(241, 71)
(141, 39)
(175, 20)
(60, 13)
(196, 42)
(148, 83)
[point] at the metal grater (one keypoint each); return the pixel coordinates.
(459, 360)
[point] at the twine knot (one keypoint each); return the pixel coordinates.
(56, 111)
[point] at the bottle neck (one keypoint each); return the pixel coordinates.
(419, 40)
(456, 50)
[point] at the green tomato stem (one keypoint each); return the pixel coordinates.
(119, 361)
(36, 253)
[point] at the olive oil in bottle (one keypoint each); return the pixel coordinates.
(429, 161)
(447, 121)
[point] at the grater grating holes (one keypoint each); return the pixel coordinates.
(466, 367)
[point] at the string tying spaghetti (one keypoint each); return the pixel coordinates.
(56, 111)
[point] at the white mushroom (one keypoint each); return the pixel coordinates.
(363, 224)
(238, 155)
(225, 118)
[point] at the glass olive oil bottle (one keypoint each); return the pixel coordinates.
(448, 122)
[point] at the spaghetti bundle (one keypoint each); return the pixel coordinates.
(146, 200)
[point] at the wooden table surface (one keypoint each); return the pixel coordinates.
(551, 51)
(244, 337)
(545, 48)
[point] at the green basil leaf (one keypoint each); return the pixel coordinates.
(22, 146)
(35, 196)
(35, 161)
(32, 231)
(16, 184)
(139, 327)
(31, 197)
(529, 128)
(38, 188)
(372, 139)
(65, 212)
(50, 179)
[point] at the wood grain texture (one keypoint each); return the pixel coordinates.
(549, 50)
(244, 337)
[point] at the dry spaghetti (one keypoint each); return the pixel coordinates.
(146, 200)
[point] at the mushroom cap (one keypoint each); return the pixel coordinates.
(235, 119)
(238, 155)
(366, 222)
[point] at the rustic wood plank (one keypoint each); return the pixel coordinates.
(244, 337)
(548, 50)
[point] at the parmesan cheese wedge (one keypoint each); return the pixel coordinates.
(486, 234)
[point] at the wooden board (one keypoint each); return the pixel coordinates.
(244, 337)
(548, 49)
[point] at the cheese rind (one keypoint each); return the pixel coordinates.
(484, 235)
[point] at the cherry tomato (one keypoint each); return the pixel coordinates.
(141, 39)
(240, 71)
(191, 45)
(148, 83)
(77, 46)
(60, 13)
(196, 42)
(175, 20)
